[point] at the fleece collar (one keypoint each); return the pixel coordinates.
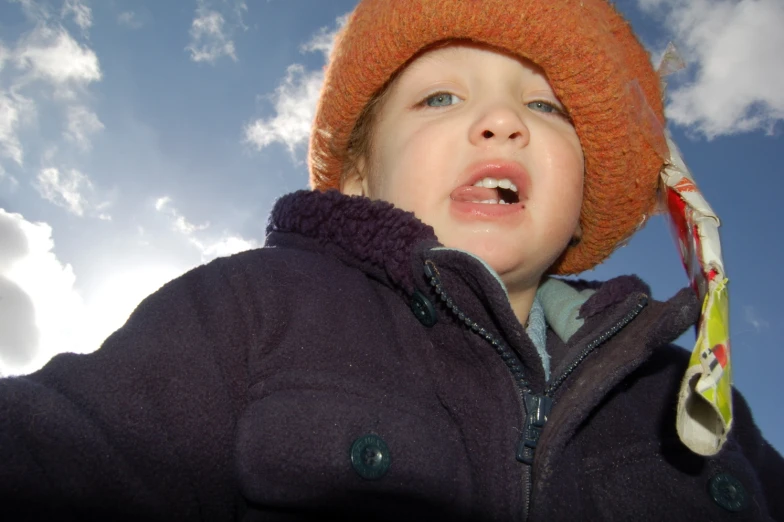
(372, 235)
(569, 303)
(382, 241)
(391, 246)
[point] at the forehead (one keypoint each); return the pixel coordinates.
(459, 54)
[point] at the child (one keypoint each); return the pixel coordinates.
(398, 349)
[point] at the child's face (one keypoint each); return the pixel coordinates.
(461, 114)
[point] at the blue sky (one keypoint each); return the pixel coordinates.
(140, 138)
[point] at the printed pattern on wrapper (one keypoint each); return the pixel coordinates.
(704, 415)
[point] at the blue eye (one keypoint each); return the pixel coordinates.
(542, 106)
(441, 99)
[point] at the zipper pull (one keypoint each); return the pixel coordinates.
(538, 408)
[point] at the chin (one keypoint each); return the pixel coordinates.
(504, 268)
(510, 264)
(499, 258)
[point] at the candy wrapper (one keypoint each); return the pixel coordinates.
(704, 415)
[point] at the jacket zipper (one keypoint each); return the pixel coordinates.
(535, 408)
(506, 354)
(515, 367)
(541, 405)
(593, 345)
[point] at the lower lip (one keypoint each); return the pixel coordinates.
(488, 211)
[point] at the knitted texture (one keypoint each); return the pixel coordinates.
(595, 64)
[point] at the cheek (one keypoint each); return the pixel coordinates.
(569, 164)
(387, 181)
(566, 165)
(398, 171)
(562, 172)
(573, 189)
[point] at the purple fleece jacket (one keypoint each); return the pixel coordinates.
(248, 389)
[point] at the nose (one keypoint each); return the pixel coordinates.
(500, 125)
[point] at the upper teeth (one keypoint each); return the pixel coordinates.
(495, 183)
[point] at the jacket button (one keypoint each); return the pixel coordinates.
(370, 457)
(728, 492)
(423, 309)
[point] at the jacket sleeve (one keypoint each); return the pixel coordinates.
(768, 463)
(143, 428)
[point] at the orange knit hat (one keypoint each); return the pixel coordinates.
(595, 64)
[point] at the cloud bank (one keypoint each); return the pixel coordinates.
(733, 49)
(40, 312)
(47, 74)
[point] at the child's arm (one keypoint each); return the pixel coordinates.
(143, 428)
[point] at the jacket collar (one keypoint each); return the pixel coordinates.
(569, 303)
(371, 235)
(580, 312)
(392, 245)
(658, 325)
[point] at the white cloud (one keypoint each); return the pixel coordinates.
(82, 122)
(82, 15)
(40, 312)
(324, 39)
(10, 114)
(51, 54)
(4, 55)
(754, 320)
(8, 179)
(65, 189)
(239, 11)
(295, 107)
(734, 48)
(33, 10)
(226, 245)
(129, 19)
(162, 203)
(294, 100)
(48, 66)
(179, 223)
(208, 39)
(211, 34)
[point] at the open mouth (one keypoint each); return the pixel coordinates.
(490, 191)
(506, 190)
